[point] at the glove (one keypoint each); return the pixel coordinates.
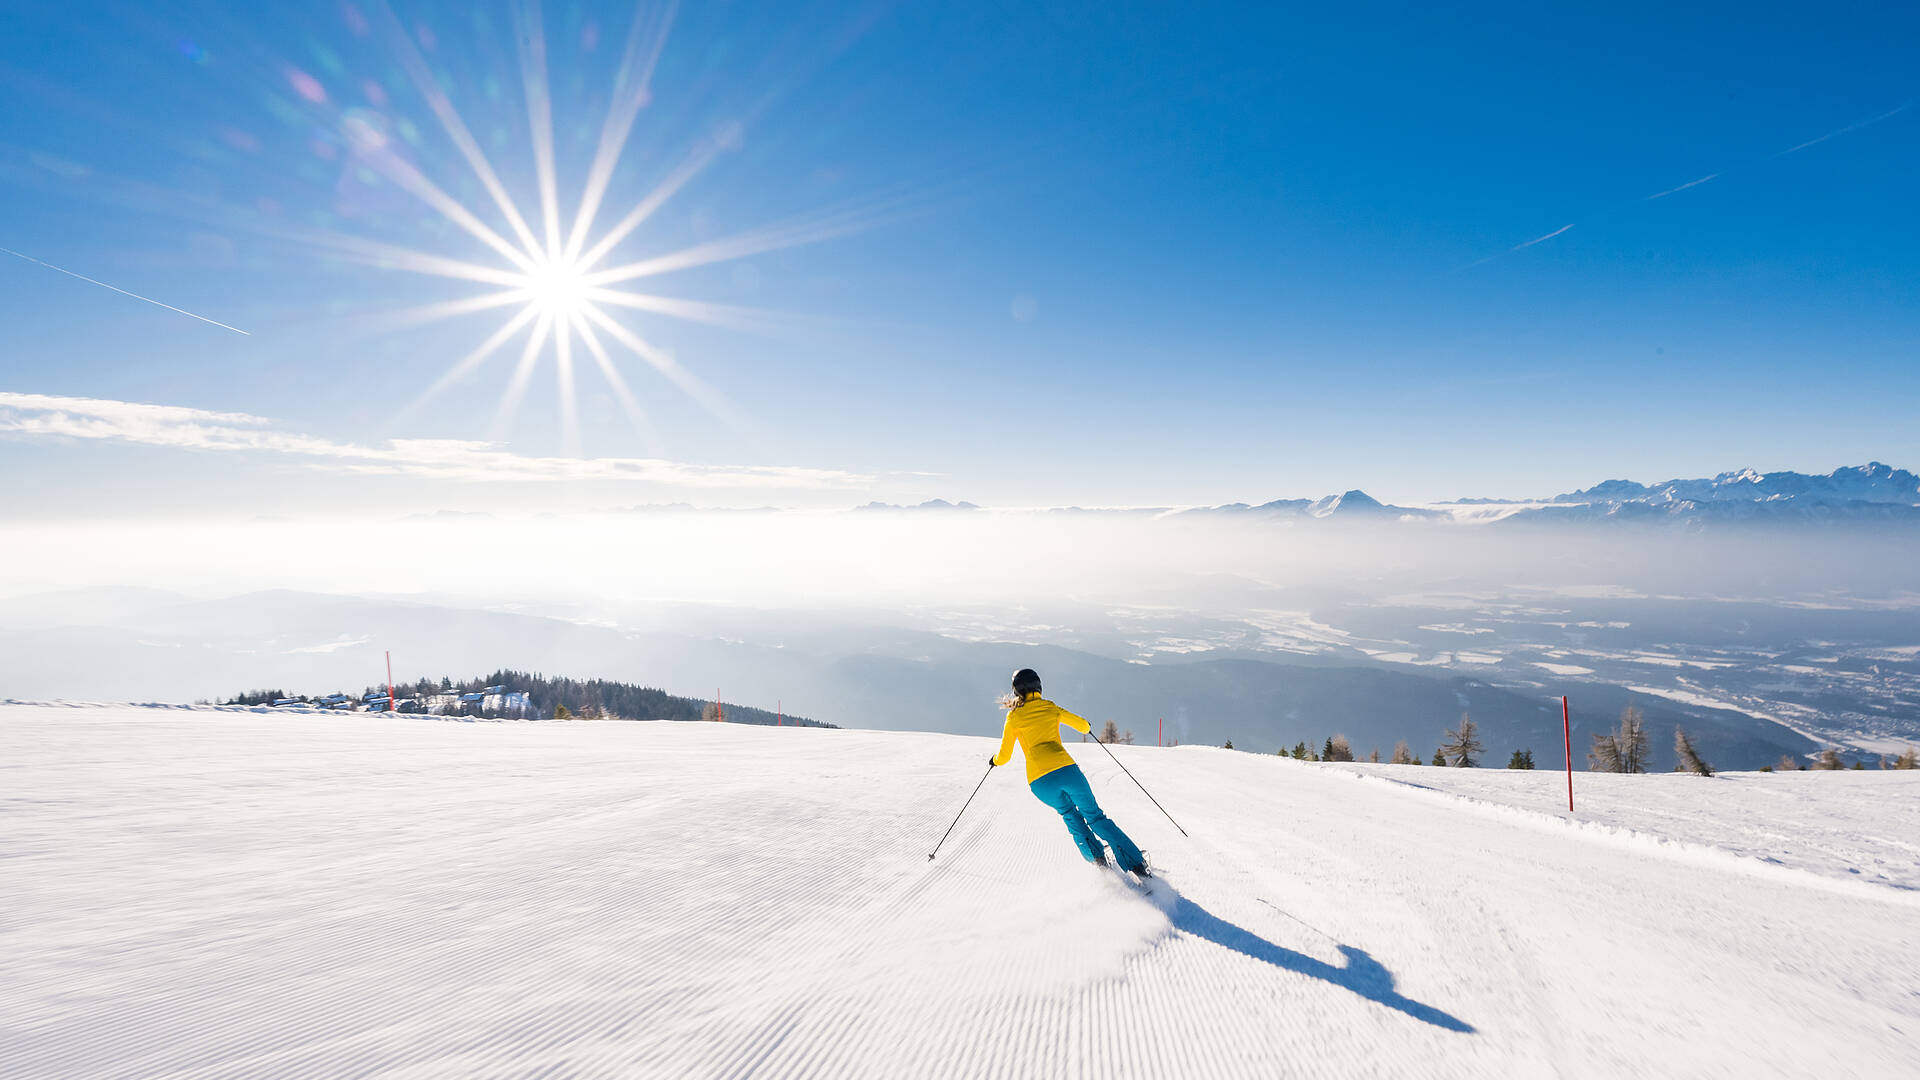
(992, 764)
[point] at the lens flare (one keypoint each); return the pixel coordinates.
(552, 275)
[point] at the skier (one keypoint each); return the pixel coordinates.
(1034, 722)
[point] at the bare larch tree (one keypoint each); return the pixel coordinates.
(1462, 744)
(1690, 760)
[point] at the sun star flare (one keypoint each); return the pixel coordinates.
(551, 276)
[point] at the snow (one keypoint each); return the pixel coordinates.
(1848, 827)
(1689, 697)
(343, 642)
(229, 893)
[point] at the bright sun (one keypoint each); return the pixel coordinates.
(558, 289)
(562, 280)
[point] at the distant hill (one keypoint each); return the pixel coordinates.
(525, 695)
(1265, 706)
(858, 674)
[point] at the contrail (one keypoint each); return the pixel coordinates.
(1835, 133)
(1842, 131)
(1501, 254)
(124, 292)
(1682, 187)
(1538, 239)
(1855, 126)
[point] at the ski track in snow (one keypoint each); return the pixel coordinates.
(226, 894)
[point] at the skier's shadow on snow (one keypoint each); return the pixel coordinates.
(1362, 974)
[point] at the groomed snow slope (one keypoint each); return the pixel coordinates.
(219, 894)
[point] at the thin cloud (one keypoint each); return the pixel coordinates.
(1517, 247)
(453, 460)
(1834, 134)
(1541, 239)
(1856, 126)
(1682, 187)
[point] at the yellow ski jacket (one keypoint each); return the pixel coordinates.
(1035, 724)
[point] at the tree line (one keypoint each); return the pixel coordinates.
(1621, 750)
(556, 697)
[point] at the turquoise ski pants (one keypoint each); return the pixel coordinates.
(1067, 792)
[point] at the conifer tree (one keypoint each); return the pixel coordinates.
(1402, 755)
(1690, 761)
(1521, 759)
(1462, 744)
(561, 712)
(1907, 760)
(1828, 761)
(1229, 745)
(1326, 749)
(1338, 749)
(1373, 755)
(1439, 758)
(1300, 750)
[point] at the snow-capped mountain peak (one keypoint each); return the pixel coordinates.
(1352, 502)
(1873, 482)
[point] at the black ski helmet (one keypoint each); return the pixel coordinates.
(1026, 681)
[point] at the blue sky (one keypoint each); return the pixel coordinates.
(1086, 255)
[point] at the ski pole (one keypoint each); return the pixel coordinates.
(1141, 786)
(963, 809)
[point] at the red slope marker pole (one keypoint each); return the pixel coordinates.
(1566, 729)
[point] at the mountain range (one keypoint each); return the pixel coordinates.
(1868, 493)
(1874, 492)
(1870, 483)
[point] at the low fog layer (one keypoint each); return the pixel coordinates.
(826, 562)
